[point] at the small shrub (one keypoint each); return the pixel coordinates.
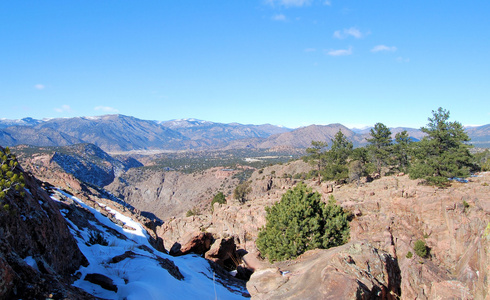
(95, 237)
(409, 254)
(421, 249)
(218, 198)
(465, 204)
(10, 178)
(241, 191)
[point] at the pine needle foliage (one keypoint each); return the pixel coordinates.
(443, 153)
(301, 222)
(10, 178)
(218, 198)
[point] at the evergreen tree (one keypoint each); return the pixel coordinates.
(10, 178)
(379, 145)
(301, 222)
(241, 191)
(442, 154)
(316, 155)
(336, 168)
(218, 198)
(401, 150)
(359, 164)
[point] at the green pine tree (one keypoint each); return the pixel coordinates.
(301, 222)
(316, 155)
(379, 145)
(336, 168)
(11, 180)
(218, 198)
(442, 154)
(401, 150)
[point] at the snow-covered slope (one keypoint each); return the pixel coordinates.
(136, 269)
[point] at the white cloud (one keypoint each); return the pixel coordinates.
(327, 2)
(379, 48)
(340, 52)
(39, 86)
(402, 59)
(63, 108)
(289, 3)
(107, 109)
(279, 17)
(346, 32)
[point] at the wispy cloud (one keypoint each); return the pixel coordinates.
(310, 50)
(327, 2)
(279, 17)
(289, 3)
(379, 48)
(39, 86)
(402, 59)
(346, 32)
(339, 52)
(63, 108)
(106, 109)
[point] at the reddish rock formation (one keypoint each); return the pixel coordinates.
(223, 252)
(353, 271)
(193, 242)
(38, 254)
(391, 213)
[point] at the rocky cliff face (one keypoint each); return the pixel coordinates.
(171, 194)
(38, 254)
(356, 270)
(389, 214)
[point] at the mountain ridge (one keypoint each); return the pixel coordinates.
(121, 133)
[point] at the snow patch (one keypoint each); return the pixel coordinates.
(31, 262)
(140, 275)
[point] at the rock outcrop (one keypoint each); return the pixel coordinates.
(353, 271)
(38, 254)
(391, 214)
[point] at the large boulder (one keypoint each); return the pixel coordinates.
(193, 242)
(223, 252)
(356, 270)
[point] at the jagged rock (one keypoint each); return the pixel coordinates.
(327, 189)
(221, 251)
(352, 271)
(33, 227)
(193, 242)
(169, 265)
(118, 258)
(102, 280)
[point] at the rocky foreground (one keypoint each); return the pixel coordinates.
(389, 215)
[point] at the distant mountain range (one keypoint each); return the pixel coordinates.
(119, 133)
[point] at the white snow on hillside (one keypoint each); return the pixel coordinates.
(141, 276)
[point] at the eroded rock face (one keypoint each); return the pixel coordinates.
(38, 254)
(353, 271)
(193, 242)
(168, 194)
(391, 213)
(221, 251)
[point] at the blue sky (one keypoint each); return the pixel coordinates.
(284, 62)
